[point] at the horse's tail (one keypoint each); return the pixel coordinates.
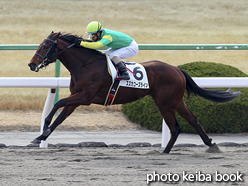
(210, 94)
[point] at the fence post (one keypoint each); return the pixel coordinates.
(47, 108)
(166, 135)
(57, 74)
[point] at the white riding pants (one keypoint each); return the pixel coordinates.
(125, 52)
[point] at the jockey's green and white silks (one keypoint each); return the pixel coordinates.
(120, 44)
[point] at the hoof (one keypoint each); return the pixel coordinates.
(166, 152)
(209, 142)
(36, 141)
(214, 149)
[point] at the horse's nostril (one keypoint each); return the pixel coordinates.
(32, 66)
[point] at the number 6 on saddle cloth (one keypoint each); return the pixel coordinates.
(138, 79)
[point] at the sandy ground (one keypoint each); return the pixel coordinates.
(123, 166)
(30, 121)
(113, 165)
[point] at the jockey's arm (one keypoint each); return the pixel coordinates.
(92, 45)
(98, 44)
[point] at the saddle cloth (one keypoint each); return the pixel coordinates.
(137, 73)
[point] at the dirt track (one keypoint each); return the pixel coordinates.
(121, 166)
(112, 165)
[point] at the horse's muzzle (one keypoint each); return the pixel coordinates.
(33, 67)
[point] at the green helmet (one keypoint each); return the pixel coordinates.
(94, 27)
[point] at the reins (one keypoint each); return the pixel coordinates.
(49, 55)
(52, 50)
(64, 49)
(76, 69)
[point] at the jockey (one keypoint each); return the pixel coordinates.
(120, 45)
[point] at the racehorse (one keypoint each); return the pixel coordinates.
(90, 83)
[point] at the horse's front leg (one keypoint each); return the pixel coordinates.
(70, 103)
(62, 116)
(48, 119)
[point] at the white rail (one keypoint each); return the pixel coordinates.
(63, 82)
(34, 82)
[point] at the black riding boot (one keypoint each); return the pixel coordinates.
(123, 74)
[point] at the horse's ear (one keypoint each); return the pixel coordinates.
(58, 34)
(51, 34)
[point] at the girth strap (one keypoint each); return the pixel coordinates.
(112, 92)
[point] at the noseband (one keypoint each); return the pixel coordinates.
(49, 55)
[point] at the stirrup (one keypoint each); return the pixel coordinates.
(124, 76)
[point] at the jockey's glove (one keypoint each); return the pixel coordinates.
(77, 42)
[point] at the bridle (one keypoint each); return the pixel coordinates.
(49, 55)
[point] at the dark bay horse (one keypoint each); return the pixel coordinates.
(90, 83)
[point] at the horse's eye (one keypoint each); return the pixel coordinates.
(45, 47)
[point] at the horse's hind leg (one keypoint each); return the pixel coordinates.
(171, 121)
(175, 131)
(187, 114)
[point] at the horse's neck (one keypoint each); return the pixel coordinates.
(74, 58)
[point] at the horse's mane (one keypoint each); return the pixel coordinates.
(70, 38)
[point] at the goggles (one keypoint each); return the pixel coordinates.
(91, 36)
